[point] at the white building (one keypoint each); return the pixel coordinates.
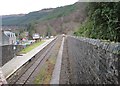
(36, 36)
(7, 38)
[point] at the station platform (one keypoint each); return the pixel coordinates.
(2, 78)
(10, 67)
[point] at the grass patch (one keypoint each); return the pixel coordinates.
(46, 71)
(30, 47)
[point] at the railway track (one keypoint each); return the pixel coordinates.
(65, 76)
(22, 75)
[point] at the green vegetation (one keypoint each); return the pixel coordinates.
(37, 16)
(32, 19)
(23, 20)
(60, 12)
(29, 48)
(31, 30)
(102, 22)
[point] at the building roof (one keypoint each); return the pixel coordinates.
(8, 33)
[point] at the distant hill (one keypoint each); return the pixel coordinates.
(44, 14)
(23, 19)
(58, 20)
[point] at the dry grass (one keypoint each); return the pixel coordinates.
(45, 73)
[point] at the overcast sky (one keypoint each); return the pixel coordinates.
(25, 6)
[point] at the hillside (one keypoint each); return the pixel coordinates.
(55, 20)
(24, 19)
(102, 22)
(44, 14)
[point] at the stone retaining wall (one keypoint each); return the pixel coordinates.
(97, 62)
(8, 52)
